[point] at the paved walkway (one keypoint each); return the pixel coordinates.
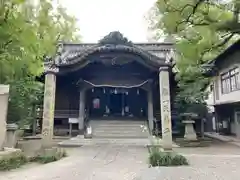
(113, 162)
(88, 163)
(224, 138)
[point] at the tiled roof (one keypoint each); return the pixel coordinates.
(71, 53)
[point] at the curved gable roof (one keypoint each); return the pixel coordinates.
(153, 54)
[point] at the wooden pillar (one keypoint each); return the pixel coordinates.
(165, 108)
(81, 110)
(49, 106)
(150, 110)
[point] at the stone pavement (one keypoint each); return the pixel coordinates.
(111, 162)
(224, 138)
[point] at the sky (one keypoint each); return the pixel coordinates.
(97, 18)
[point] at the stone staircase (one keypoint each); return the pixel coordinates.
(118, 129)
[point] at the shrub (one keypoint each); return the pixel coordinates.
(158, 158)
(179, 160)
(47, 158)
(12, 161)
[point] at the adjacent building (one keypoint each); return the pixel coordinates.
(225, 91)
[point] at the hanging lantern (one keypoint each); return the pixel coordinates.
(137, 91)
(104, 90)
(126, 93)
(92, 89)
(115, 91)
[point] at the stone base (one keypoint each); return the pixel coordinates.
(201, 142)
(190, 134)
(191, 137)
(160, 148)
(49, 151)
(9, 151)
(88, 133)
(88, 136)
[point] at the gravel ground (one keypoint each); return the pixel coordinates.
(111, 162)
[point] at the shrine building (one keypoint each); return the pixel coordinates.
(113, 79)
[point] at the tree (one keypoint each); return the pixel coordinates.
(202, 29)
(29, 31)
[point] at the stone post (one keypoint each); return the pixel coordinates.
(165, 108)
(49, 106)
(11, 136)
(150, 110)
(81, 110)
(4, 93)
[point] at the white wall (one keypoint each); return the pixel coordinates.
(232, 61)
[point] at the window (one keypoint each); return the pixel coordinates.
(230, 81)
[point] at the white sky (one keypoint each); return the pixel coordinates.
(96, 18)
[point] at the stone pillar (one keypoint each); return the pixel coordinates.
(49, 106)
(165, 108)
(81, 110)
(150, 110)
(4, 93)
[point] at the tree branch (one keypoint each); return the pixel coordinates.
(222, 43)
(232, 26)
(6, 14)
(4, 46)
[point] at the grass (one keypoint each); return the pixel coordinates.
(16, 160)
(47, 158)
(12, 161)
(159, 158)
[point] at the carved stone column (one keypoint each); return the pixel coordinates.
(165, 108)
(150, 110)
(49, 106)
(81, 110)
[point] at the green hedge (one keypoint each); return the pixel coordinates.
(43, 159)
(158, 158)
(12, 161)
(16, 160)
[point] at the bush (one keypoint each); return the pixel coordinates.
(158, 158)
(12, 161)
(47, 158)
(16, 160)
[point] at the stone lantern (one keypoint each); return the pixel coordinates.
(188, 121)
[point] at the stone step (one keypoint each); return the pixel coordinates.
(116, 124)
(120, 134)
(122, 127)
(118, 128)
(119, 131)
(97, 131)
(78, 142)
(104, 136)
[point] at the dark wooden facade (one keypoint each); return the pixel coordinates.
(113, 63)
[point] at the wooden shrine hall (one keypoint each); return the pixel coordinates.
(111, 79)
